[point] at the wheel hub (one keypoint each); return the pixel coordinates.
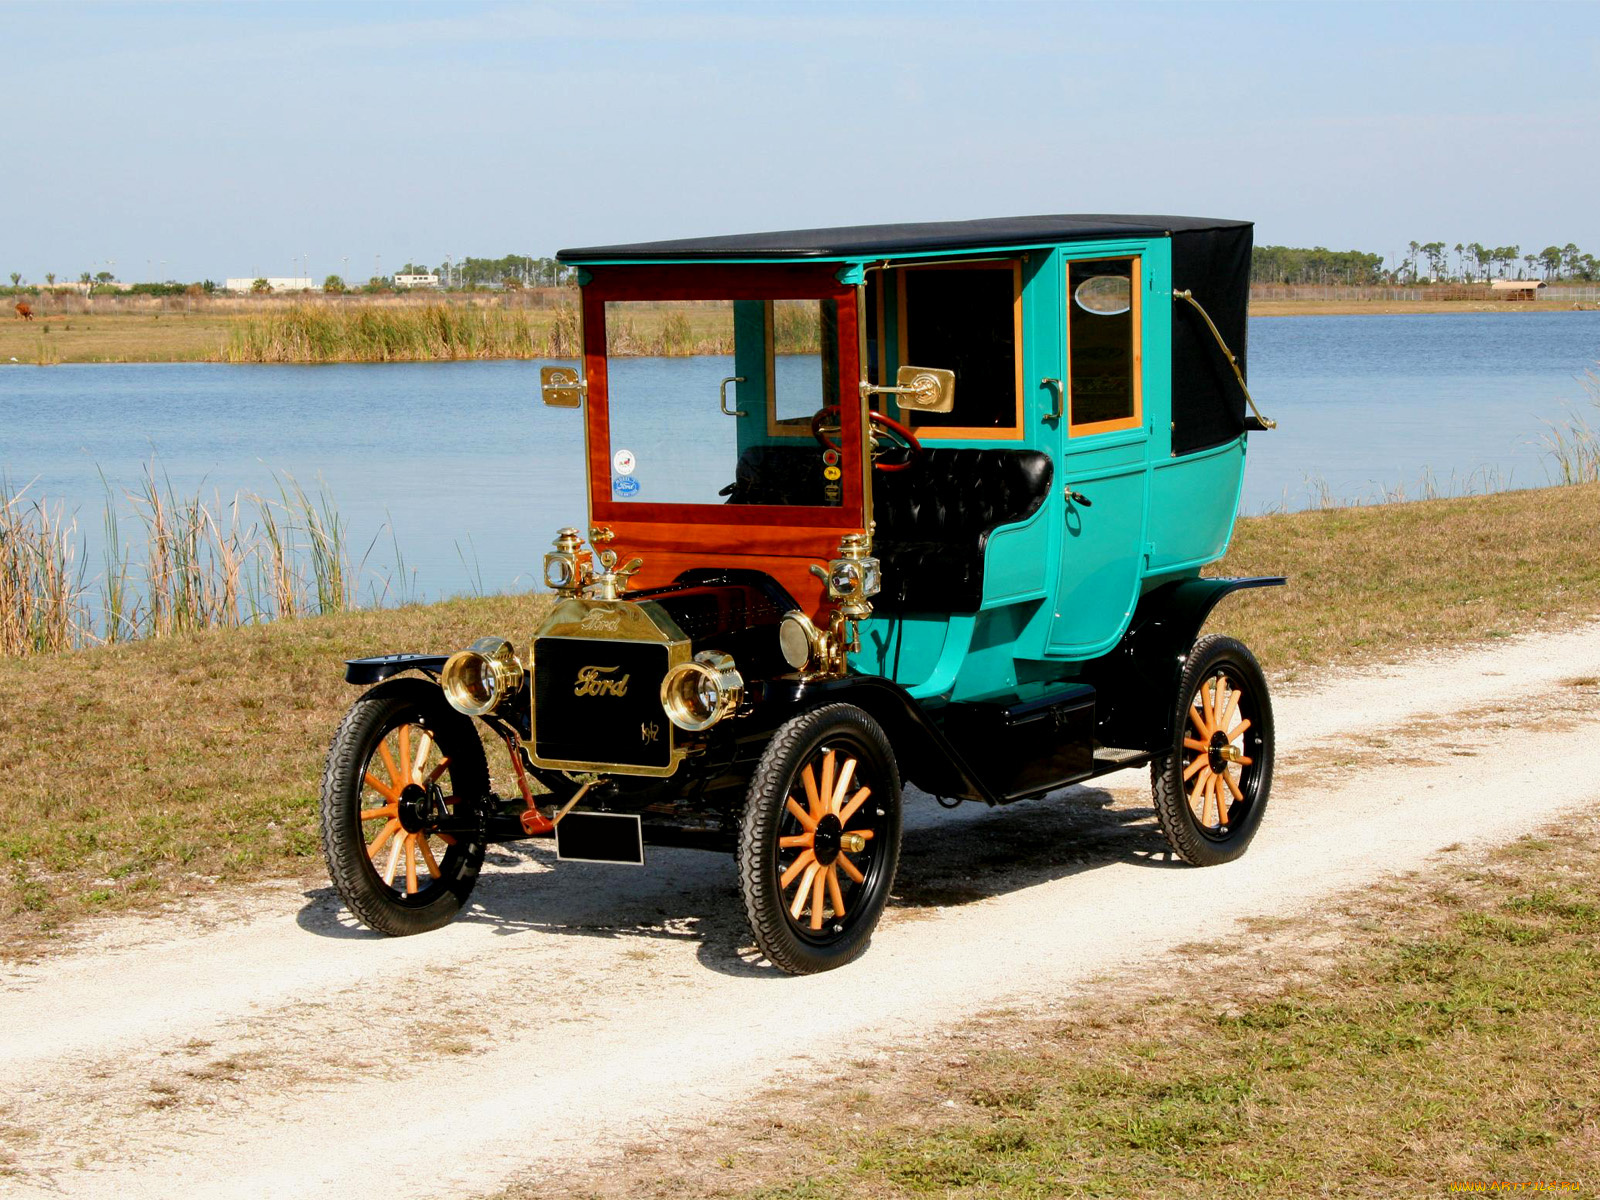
(1219, 752)
(829, 834)
(412, 809)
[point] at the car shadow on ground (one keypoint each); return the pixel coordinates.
(948, 859)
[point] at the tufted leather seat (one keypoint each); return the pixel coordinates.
(933, 519)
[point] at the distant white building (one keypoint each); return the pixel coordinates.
(416, 281)
(275, 285)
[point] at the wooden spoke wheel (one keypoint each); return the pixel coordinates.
(1211, 790)
(401, 758)
(820, 838)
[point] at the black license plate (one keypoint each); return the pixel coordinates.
(600, 837)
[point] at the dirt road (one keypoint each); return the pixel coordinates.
(265, 1047)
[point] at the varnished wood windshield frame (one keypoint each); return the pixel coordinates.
(765, 523)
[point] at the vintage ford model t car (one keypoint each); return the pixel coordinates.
(920, 504)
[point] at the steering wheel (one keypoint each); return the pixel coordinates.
(894, 434)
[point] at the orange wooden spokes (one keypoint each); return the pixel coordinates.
(387, 791)
(427, 857)
(805, 859)
(842, 786)
(1227, 778)
(849, 868)
(394, 860)
(834, 894)
(1233, 734)
(826, 791)
(856, 802)
(813, 804)
(1199, 721)
(433, 776)
(411, 866)
(1194, 744)
(803, 891)
(396, 780)
(387, 832)
(405, 754)
(424, 747)
(1200, 761)
(807, 822)
(818, 894)
(372, 814)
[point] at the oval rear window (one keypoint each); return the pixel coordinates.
(1104, 295)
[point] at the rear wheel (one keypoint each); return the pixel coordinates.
(1211, 790)
(400, 755)
(820, 839)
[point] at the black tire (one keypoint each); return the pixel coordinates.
(822, 938)
(1179, 780)
(355, 760)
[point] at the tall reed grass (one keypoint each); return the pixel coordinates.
(321, 333)
(42, 589)
(1573, 445)
(204, 563)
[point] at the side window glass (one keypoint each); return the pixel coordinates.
(967, 320)
(1103, 384)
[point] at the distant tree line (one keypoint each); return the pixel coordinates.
(1424, 262)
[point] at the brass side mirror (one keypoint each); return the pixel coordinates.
(926, 389)
(561, 387)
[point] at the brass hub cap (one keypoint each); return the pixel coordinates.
(394, 800)
(1210, 756)
(825, 842)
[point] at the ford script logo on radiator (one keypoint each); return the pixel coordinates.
(596, 681)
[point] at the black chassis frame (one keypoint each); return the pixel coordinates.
(1134, 689)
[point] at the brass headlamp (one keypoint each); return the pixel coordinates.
(478, 679)
(699, 693)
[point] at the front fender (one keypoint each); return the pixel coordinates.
(925, 755)
(375, 670)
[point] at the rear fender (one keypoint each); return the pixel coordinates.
(1137, 682)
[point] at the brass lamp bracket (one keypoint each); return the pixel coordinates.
(570, 570)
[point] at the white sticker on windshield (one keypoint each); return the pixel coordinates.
(624, 462)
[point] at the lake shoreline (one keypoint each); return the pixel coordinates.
(208, 336)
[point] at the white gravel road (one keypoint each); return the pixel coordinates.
(265, 1047)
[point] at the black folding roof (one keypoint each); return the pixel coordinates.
(868, 241)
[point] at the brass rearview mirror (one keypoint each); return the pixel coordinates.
(926, 389)
(561, 387)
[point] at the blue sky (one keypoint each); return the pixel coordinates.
(233, 139)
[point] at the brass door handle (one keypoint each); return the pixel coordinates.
(722, 394)
(1055, 386)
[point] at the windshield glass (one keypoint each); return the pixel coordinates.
(712, 401)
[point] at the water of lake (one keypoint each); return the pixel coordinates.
(463, 466)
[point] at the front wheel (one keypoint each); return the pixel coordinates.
(1211, 789)
(400, 755)
(820, 839)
